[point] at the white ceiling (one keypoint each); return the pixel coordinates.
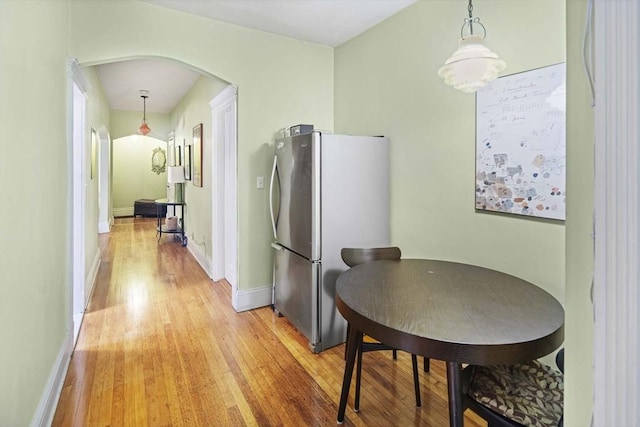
(166, 81)
(326, 22)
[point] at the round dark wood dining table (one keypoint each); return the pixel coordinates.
(450, 311)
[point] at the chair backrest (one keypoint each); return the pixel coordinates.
(355, 256)
(560, 360)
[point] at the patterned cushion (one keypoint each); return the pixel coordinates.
(530, 393)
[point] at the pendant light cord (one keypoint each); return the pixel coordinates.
(470, 9)
(144, 109)
(470, 21)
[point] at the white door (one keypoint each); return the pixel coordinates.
(78, 88)
(224, 188)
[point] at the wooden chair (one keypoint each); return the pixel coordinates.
(356, 256)
(526, 394)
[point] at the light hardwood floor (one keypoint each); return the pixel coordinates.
(160, 345)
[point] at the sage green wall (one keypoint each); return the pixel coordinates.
(194, 108)
(280, 82)
(35, 210)
(386, 83)
(132, 177)
(578, 401)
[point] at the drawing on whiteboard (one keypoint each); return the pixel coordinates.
(521, 144)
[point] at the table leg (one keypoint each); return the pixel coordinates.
(158, 222)
(454, 386)
(354, 338)
(356, 402)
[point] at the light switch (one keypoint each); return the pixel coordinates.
(260, 182)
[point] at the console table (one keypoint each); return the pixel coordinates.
(161, 209)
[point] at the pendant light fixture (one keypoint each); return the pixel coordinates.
(144, 127)
(473, 65)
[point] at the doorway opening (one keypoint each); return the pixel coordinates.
(224, 190)
(105, 219)
(78, 88)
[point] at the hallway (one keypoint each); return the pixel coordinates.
(161, 345)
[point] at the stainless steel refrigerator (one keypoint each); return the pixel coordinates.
(327, 192)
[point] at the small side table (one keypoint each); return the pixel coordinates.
(178, 232)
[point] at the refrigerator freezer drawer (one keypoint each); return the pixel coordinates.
(296, 292)
(333, 327)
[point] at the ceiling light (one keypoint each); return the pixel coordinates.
(144, 127)
(473, 65)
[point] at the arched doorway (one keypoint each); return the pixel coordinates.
(105, 188)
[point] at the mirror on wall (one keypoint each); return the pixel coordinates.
(158, 160)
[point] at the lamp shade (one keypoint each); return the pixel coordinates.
(472, 66)
(175, 175)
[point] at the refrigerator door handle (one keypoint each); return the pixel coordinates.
(273, 177)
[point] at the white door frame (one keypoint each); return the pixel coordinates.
(616, 296)
(105, 218)
(78, 88)
(225, 190)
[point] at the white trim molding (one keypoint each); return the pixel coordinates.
(92, 277)
(617, 218)
(77, 131)
(254, 298)
(198, 253)
(105, 218)
(120, 212)
(75, 73)
(49, 400)
(224, 189)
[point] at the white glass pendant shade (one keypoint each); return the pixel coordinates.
(472, 66)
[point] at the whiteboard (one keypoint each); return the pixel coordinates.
(521, 144)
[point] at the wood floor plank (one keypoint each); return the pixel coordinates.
(161, 345)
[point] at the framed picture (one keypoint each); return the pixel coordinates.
(171, 150)
(187, 162)
(197, 155)
(178, 155)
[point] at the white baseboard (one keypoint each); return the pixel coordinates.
(104, 227)
(46, 409)
(246, 300)
(90, 281)
(254, 298)
(200, 256)
(118, 212)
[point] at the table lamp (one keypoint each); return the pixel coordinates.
(175, 176)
